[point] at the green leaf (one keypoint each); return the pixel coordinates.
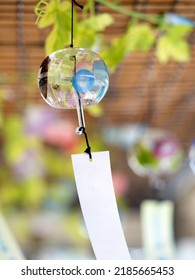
(115, 53)
(51, 43)
(46, 13)
(55, 12)
(178, 32)
(57, 39)
(139, 38)
(98, 23)
(169, 49)
(85, 37)
(173, 45)
(163, 49)
(181, 51)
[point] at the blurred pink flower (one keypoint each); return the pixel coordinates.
(165, 147)
(38, 117)
(60, 133)
(121, 183)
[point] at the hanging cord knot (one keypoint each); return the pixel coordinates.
(88, 150)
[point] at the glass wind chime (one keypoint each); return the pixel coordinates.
(73, 78)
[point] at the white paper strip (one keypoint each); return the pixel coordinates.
(9, 249)
(157, 229)
(98, 204)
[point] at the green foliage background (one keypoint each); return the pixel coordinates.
(141, 35)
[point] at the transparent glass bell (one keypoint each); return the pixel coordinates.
(71, 76)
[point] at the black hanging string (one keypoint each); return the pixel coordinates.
(72, 21)
(82, 128)
(88, 150)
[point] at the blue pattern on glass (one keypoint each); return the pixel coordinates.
(83, 81)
